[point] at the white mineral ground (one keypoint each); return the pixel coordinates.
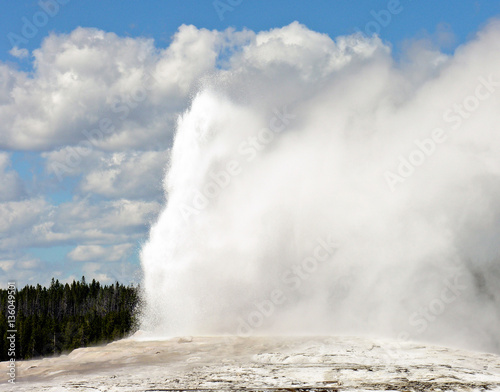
(260, 364)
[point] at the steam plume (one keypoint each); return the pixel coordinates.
(319, 186)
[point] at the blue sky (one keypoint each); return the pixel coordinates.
(70, 211)
(160, 19)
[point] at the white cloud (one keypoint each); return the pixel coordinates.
(313, 54)
(24, 270)
(17, 216)
(120, 217)
(111, 272)
(11, 186)
(127, 174)
(88, 75)
(34, 222)
(103, 232)
(6, 265)
(70, 161)
(19, 53)
(100, 253)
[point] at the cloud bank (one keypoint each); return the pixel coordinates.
(94, 119)
(320, 186)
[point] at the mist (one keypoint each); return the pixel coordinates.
(320, 186)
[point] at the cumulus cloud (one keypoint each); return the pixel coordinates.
(23, 270)
(89, 77)
(111, 272)
(99, 253)
(19, 53)
(12, 187)
(127, 174)
(101, 111)
(116, 216)
(16, 216)
(69, 161)
(103, 232)
(35, 222)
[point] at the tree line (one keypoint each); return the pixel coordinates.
(67, 316)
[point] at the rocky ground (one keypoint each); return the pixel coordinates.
(259, 364)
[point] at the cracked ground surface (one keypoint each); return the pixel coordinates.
(260, 364)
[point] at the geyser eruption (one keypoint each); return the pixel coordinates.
(322, 187)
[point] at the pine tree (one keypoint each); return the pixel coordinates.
(64, 317)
